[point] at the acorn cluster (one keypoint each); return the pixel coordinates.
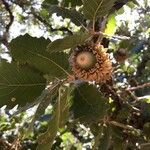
(90, 62)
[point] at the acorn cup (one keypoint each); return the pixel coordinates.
(121, 55)
(90, 62)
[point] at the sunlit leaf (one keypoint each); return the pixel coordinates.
(111, 25)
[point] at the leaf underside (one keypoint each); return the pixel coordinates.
(88, 103)
(61, 111)
(19, 85)
(65, 3)
(68, 42)
(32, 50)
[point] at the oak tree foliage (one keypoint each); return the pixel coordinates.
(39, 91)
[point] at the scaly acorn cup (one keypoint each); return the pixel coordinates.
(90, 62)
(121, 55)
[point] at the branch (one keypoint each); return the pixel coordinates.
(49, 25)
(138, 87)
(5, 144)
(118, 100)
(45, 22)
(3, 39)
(11, 17)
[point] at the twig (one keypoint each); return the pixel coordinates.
(143, 97)
(127, 127)
(138, 87)
(131, 94)
(16, 145)
(117, 99)
(103, 26)
(144, 145)
(5, 144)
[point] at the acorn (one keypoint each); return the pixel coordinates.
(85, 60)
(90, 62)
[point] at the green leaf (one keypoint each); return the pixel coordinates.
(50, 2)
(94, 9)
(105, 139)
(19, 85)
(44, 100)
(88, 103)
(102, 140)
(131, 4)
(135, 2)
(123, 113)
(47, 97)
(32, 50)
(146, 130)
(65, 3)
(111, 25)
(64, 93)
(68, 42)
(60, 116)
(76, 17)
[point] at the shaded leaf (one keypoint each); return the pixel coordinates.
(32, 50)
(76, 17)
(94, 9)
(72, 3)
(60, 115)
(50, 2)
(68, 42)
(65, 3)
(88, 103)
(47, 97)
(44, 100)
(146, 130)
(19, 85)
(105, 139)
(65, 105)
(99, 134)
